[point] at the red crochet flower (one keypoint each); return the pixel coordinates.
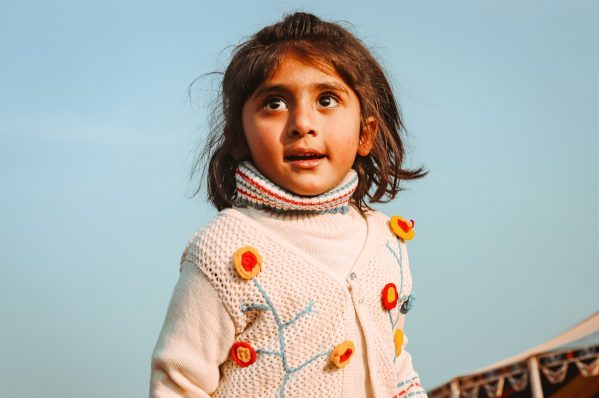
(389, 296)
(243, 354)
(402, 228)
(247, 262)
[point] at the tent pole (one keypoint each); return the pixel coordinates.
(455, 389)
(535, 378)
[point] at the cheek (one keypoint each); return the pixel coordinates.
(347, 125)
(263, 140)
(347, 134)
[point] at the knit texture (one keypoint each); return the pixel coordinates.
(333, 239)
(256, 190)
(295, 311)
(253, 306)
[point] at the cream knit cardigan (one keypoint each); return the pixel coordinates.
(293, 314)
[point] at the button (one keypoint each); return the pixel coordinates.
(353, 276)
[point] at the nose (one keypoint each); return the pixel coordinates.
(301, 121)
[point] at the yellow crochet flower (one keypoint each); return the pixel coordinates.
(247, 262)
(402, 228)
(398, 339)
(342, 353)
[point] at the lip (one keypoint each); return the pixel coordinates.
(306, 164)
(302, 152)
(304, 158)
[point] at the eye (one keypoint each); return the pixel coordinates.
(328, 100)
(275, 104)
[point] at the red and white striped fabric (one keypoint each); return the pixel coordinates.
(255, 190)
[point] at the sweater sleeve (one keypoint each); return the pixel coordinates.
(195, 339)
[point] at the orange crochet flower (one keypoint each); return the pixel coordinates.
(398, 339)
(243, 354)
(342, 353)
(247, 262)
(389, 296)
(402, 228)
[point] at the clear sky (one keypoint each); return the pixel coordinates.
(98, 135)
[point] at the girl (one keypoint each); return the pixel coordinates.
(296, 288)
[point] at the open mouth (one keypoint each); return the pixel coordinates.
(305, 156)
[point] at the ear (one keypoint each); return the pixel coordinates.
(367, 136)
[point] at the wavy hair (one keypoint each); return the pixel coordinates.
(325, 45)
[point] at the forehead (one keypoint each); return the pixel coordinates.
(293, 71)
(294, 63)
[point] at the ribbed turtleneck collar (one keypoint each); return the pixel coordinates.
(255, 190)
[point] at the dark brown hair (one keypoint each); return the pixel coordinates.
(326, 45)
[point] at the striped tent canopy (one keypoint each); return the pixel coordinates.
(566, 366)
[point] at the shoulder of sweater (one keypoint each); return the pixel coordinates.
(376, 216)
(226, 218)
(219, 231)
(232, 218)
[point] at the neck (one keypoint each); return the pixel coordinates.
(257, 191)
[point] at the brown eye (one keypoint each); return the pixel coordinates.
(275, 104)
(328, 101)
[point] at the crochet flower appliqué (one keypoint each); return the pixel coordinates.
(402, 228)
(243, 354)
(389, 296)
(342, 353)
(408, 304)
(247, 262)
(398, 340)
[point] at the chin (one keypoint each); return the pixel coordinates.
(310, 191)
(305, 191)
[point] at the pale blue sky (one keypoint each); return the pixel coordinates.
(97, 137)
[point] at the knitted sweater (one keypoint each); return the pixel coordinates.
(308, 323)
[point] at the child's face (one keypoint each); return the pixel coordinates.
(302, 126)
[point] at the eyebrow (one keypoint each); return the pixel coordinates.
(322, 86)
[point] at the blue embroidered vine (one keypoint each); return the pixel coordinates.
(407, 301)
(281, 326)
